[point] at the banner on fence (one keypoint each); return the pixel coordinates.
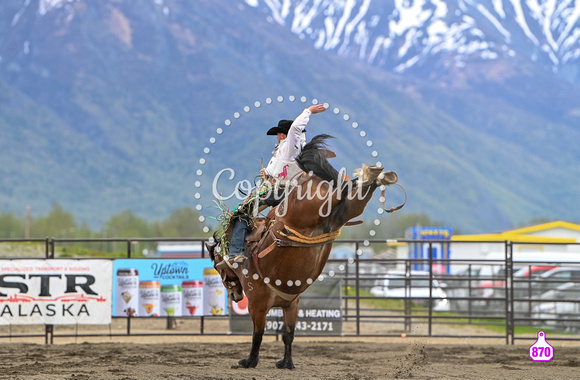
(167, 288)
(319, 312)
(55, 292)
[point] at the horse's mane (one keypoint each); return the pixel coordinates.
(313, 159)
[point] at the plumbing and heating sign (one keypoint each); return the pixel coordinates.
(319, 312)
(55, 292)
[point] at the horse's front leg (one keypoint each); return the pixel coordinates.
(259, 319)
(290, 316)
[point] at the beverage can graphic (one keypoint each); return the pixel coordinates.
(214, 293)
(149, 298)
(127, 292)
(192, 294)
(541, 350)
(171, 301)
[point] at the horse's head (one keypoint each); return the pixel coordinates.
(229, 278)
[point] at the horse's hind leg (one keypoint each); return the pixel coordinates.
(290, 316)
(259, 319)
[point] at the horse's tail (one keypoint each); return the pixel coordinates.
(313, 159)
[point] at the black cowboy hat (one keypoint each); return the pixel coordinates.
(283, 127)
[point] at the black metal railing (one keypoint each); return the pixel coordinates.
(482, 299)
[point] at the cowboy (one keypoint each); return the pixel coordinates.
(281, 168)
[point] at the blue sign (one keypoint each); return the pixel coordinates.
(167, 272)
(429, 233)
(436, 246)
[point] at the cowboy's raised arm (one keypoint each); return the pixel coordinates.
(292, 147)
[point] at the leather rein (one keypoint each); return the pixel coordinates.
(392, 209)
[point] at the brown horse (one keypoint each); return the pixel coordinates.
(288, 249)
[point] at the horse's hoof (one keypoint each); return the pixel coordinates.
(367, 174)
(285, 364)
(387, 178)
(247, 363)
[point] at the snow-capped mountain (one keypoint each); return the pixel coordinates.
(421, 36)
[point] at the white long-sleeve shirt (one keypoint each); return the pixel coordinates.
(282, 165)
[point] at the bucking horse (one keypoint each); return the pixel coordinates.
(288, 249)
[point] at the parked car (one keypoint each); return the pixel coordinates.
(461, 286)
(396, 284)
(476, 282)
(496, 288)
(525, 293)
(560, 303)
(368, 273)
(548, 280)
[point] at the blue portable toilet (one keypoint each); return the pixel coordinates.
(439, 237)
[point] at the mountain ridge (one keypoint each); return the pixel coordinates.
(122, 101)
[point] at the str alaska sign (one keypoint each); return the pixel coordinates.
(55, 292)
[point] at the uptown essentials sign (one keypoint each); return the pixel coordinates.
(172, 275)
(55, 291)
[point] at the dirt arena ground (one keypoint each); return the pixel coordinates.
(393, 358)
(215, 356)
